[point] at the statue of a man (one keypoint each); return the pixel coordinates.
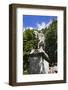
(41, 38)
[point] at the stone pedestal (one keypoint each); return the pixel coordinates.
(38, 62)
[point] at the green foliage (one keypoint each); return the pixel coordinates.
(51, 42)
(29, 42)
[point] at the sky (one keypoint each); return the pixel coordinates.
(37, 22)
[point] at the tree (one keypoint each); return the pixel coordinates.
(29, 42)
(51, 42)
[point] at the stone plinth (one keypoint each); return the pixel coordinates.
(38, 62)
